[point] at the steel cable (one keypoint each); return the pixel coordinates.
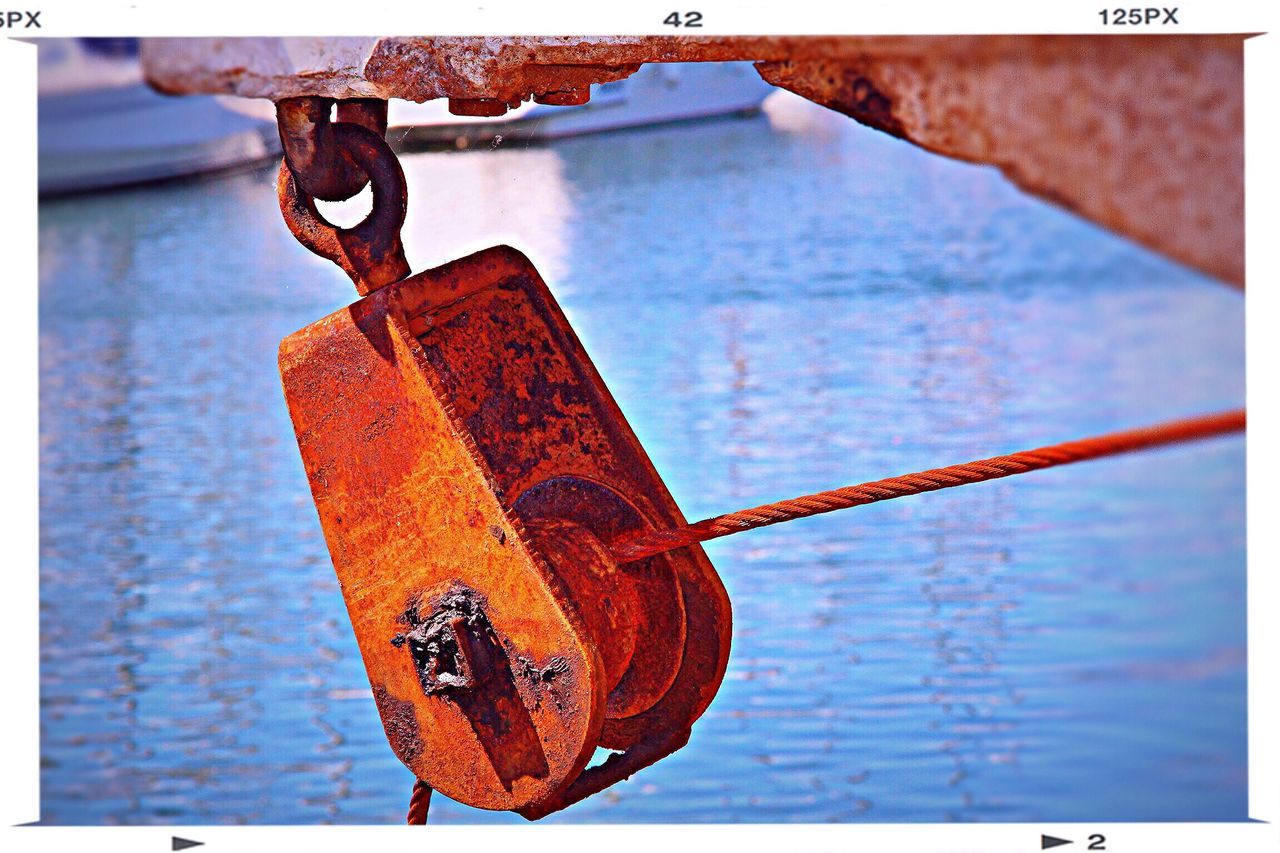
(651, 543)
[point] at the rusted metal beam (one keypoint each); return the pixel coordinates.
(421, 69)
(1141, 134)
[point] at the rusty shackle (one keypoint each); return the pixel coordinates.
(370, 252)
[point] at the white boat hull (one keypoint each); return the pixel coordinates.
(656, 94)
(100, 130)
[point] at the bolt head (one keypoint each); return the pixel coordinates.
(571, 98)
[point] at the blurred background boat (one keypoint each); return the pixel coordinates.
(102, 126)
(657, 94)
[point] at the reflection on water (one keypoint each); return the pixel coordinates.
(777, 311)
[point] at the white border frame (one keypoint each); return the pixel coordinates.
(19, 725)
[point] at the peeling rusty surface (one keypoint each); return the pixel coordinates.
(437, 640)
(559, 446)
(1142, 134)
(400, 722)
(457, 655)
(423, 68)
(467, 464)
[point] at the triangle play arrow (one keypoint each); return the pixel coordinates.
(184, 843)
(1047, 841)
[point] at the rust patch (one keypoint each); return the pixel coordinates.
(435, 640)
(400, 723)
(872, 107)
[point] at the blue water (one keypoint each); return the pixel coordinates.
(778, 309)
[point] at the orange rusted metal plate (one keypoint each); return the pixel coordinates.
(410, 519)
(469, 468)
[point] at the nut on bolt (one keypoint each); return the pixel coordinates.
(567, 98)
(490, 107)
(440, 644)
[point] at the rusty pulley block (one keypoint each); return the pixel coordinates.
(470, 470)
(469, 467)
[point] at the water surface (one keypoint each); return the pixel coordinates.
(778, 308)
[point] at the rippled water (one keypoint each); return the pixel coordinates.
(778, 308)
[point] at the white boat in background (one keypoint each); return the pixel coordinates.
(659, 93)
(100, 125)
